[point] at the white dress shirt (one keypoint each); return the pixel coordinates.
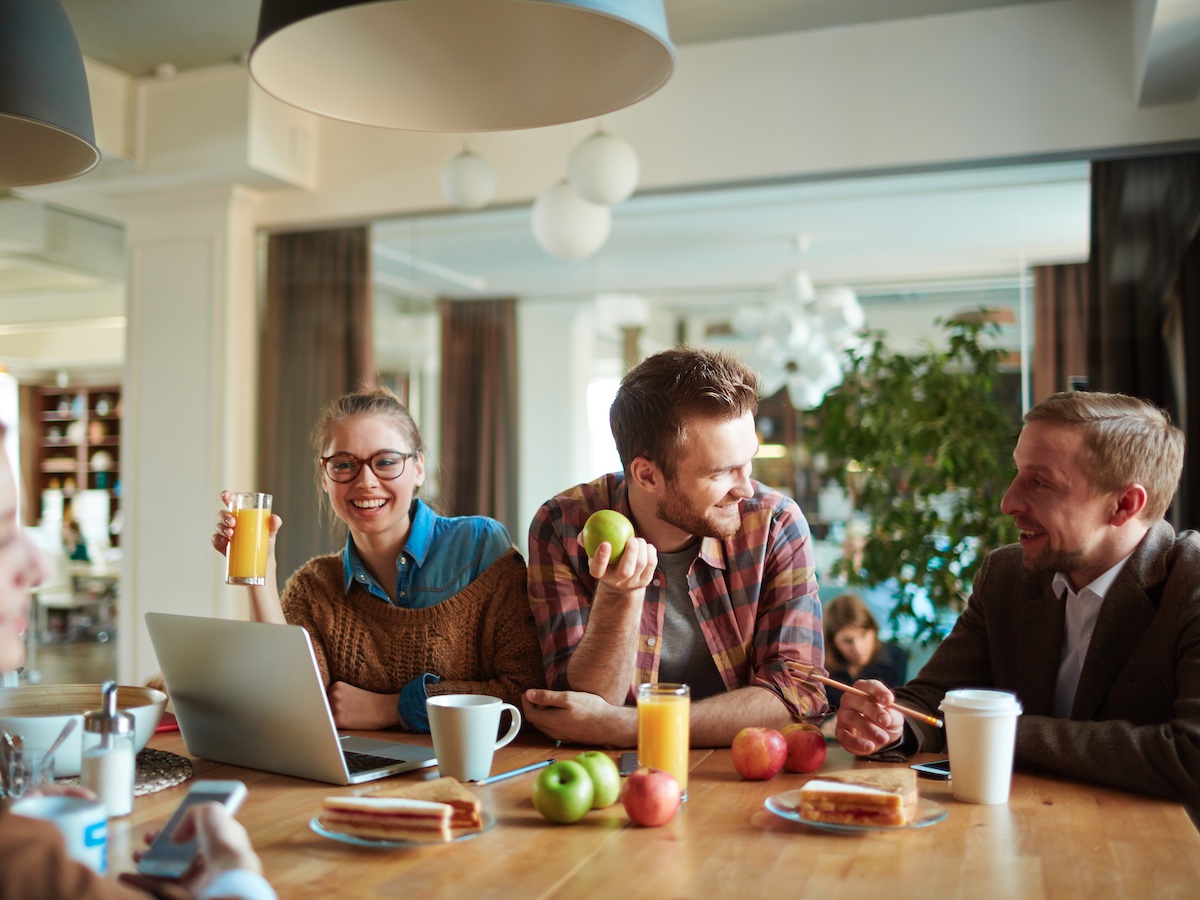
(1082, 609)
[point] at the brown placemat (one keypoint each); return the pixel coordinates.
(157, 770)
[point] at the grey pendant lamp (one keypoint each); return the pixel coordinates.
(462, 65)
(46, 131)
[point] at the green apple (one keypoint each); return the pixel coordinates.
(606, 526)
(606, 779)
(563, 792)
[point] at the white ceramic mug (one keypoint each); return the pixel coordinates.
(981, 732)
(464, 730)
(82, 822)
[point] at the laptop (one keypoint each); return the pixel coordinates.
(250, 694)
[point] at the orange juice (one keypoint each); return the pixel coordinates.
(663, 734)
(247, 553)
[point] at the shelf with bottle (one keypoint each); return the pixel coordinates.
(79, 442)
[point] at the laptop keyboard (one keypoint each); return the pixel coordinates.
(365, 762)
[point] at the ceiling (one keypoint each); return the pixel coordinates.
(137, 36)
(933, 240)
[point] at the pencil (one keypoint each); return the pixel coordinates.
(806, 672)
(521, 771)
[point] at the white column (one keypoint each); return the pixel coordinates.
(555, 349)
(190, 399)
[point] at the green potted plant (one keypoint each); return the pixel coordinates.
(923, 447)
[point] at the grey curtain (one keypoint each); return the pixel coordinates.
(1143, 286)
(1061, 328)
(479, 410)
(316, 345)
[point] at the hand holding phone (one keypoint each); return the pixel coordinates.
(168, 859)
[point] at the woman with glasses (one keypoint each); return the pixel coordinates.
(415, 603)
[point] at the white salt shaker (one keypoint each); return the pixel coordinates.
(108, 754)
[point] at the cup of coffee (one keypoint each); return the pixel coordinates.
(82, 822)
(464, 728)
(981, 733)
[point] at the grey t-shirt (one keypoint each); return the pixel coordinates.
(684, 657)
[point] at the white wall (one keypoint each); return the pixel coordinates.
(1026, 81)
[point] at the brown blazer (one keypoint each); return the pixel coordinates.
(1135, 724)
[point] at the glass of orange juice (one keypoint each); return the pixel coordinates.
(246, 558)
(663, 735)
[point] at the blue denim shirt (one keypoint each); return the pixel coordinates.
(441, 557)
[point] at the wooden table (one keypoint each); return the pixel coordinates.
(1053, 839)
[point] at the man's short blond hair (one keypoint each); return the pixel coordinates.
(1126, 441)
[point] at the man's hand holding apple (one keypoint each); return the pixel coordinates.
(632, 571)
(865, 726)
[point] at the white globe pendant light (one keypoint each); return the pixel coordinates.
(604, 169)
(568, 227)
(468, 181)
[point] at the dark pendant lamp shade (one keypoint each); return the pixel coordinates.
(46, 129)
(462, 65)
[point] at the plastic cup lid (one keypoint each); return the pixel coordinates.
(982, 701)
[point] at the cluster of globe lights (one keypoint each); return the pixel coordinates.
(572, 218)
(799, 341)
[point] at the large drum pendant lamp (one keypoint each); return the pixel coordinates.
(46, 131)
(461, 65)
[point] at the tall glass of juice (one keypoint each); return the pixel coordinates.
(246, 558)
(663, 733)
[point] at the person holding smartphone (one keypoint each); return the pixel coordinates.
(33, 857)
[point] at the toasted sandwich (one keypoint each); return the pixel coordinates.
(387, 818)
(465, 806)
(870, 797)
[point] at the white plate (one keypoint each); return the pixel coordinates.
(787, 806)
(458, 835)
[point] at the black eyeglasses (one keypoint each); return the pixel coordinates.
(386, 464)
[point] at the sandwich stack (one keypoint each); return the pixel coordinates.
(426, 811)
(880, 798)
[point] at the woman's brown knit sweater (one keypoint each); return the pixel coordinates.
(480, 641)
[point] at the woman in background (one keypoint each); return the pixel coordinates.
(415, 603)
(853, 649)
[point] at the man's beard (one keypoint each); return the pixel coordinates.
(1055, 561)
(676, 510)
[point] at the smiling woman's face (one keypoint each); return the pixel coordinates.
(21, 569)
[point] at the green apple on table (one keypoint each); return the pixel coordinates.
(606, 778)
(606, 526)
(563, 792)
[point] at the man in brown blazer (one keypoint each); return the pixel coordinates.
(1092, 620)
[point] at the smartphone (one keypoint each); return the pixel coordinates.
(168, 859)
(937, 768)
(629, 762)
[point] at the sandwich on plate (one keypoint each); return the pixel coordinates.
(425, 811)
(880, 798)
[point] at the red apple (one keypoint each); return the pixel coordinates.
(758, 753)
(805, 747)
(650, 796)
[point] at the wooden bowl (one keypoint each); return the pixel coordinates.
(39, 712)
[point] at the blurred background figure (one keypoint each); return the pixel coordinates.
(853, 649)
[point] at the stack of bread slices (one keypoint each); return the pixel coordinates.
(426, 811)
(884, 798)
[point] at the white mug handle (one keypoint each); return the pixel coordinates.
(513, 728)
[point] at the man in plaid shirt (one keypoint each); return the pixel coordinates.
(718, 589)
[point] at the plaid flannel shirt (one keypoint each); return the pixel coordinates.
(755, 594)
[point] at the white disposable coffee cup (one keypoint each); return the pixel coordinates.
(981, 733)
(464, 730)
(83, 824)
